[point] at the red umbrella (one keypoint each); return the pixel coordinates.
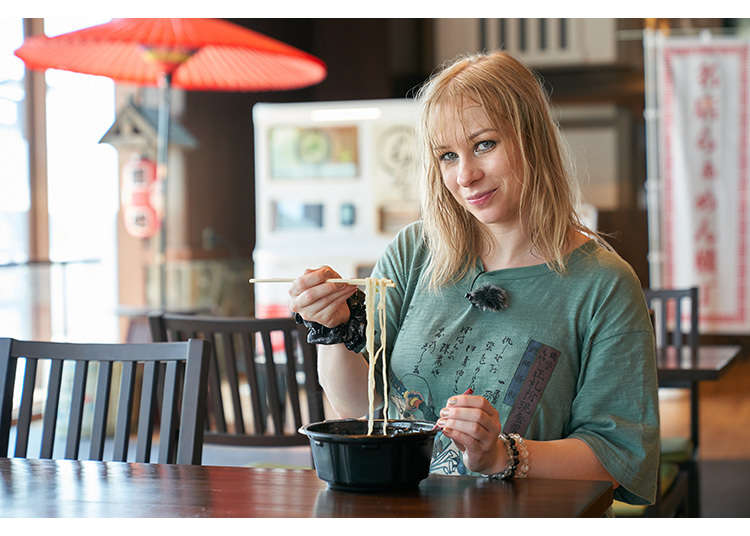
(197, 54)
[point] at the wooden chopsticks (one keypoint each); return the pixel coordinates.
(355, 281)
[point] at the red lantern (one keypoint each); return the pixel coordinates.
(139, 188)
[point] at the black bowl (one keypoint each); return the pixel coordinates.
(348, 459)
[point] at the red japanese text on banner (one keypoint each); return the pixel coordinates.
(704, 96)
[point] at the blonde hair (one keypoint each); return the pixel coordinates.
(514, 100)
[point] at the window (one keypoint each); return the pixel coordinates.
(73, 297)
(14, 151)
(67, 298)
(82, 185)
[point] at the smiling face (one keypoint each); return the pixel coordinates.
(475, 162)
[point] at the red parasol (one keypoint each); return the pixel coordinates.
(197, 54)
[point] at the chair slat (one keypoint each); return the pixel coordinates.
(694, 321)
(124, 409)
(677, 341)
(101, 409)
(216, 400)
(169, 416)
(49, 421)
(157, 329)
(312, 385)
(146, 414)
(663, 330)
(248, 352)
(7, 385)
(272, 389)
(292, 386)
(190, 441)
(230, 367)
(25, 411)
(76, 410)
(215, 416)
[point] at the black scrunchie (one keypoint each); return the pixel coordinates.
(351, 333)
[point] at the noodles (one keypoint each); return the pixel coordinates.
(371, 286)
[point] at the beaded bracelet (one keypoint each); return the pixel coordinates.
(522, 470)
(512, 455)
(518, 458)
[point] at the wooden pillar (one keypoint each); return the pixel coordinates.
(36, 129)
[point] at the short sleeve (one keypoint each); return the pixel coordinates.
(615, 409)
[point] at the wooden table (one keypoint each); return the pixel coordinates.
(66, 488)
(685, 370)
(709, 363)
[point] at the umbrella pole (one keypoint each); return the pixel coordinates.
(162, 155)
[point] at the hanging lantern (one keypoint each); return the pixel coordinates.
(139, 198)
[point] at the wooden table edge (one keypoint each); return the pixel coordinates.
(599, 506)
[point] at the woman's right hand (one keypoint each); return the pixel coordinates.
(318, 301)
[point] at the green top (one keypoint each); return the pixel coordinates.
(571, 356)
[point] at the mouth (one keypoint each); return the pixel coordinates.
(480, 199)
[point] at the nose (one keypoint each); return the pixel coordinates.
(468, 172)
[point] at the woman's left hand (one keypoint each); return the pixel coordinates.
(474, 425)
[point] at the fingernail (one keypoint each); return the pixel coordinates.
(451, 401)
(441, 422)
(444, 412)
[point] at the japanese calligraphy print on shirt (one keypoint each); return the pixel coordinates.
(505, 366)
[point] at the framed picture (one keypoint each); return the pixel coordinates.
(313, 152)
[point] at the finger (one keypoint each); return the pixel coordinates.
(471, 401)
(332, 310)
(477, 431)
(487, 417)
(328, 301)
(311, 278)
(481, 415)
(320, 296)
(463, 441)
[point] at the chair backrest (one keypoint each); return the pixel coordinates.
(242, 377)
(142, 368)
(668, 307)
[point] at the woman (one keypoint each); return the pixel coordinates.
(501, 289)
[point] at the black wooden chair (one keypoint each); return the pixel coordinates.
(672, 304)
(180, 426)
(672, 308)
(679, 486)
(273, 390)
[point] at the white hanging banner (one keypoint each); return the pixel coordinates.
(703, 95)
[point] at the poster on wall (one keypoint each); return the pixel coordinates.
(704, 94)
(313, 152)
(395, 176)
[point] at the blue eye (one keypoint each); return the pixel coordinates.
(483, 146)
(448, 157)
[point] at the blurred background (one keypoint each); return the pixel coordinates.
(69, 262)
